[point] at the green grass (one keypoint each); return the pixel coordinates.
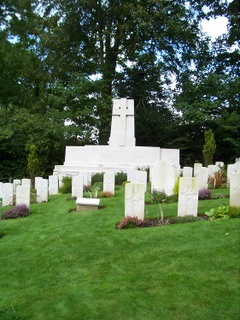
(60, 264)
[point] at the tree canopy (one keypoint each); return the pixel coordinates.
(62, 63)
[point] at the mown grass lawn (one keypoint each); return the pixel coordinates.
(61, 264)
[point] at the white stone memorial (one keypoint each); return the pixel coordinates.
(7, 194)
(134, 200)
(121, 154)
(163, 177)
(53, 184)
(188, 197)
(77, 186)
(109, 182)
(23, 195)
(137, 176)
(235, 190)
(42, 191)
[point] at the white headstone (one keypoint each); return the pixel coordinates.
(109, 182)
(134, 200)
(220, 164)
(188, 197)
(212, 168)
(187, 172)
(1, 190)
(37, 182)
(77, 186)
(42, 191)
(122, 129)
(23, 195)
(26, 183)
(203, 179)
(197, 169)
(53, 184)
(163, 177)
(16, 182)
(137, 176)
(235, 190)
(7, 196)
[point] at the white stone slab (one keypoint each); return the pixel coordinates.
(85, 204)
(137, 176)
(134, 200)
(42, 191)
(163, 177)
(220, 164)
(187, 172)
(23, 195)
(235, 190)
(53, 184)
(77, 186)
(122, 128)
(7, 196)
(109, 182)
(188, 197)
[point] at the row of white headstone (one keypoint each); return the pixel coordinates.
(193, 180)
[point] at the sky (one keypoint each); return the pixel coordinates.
(215, 27)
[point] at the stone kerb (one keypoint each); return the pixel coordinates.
(109, 182)
(23, 195)
(188, 197)
(235, 190)
(85, 204)
(134, 200)
(163, 177)
(77, 186)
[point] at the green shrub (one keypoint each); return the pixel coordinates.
(234, 212)
(185, 219)
(19, 211)
(120, 177)
(67, 185)
(107, 194)
(221, 212)
(159, 196)
(218, 179)
(97, 177)
(176, 187)
(94, 191)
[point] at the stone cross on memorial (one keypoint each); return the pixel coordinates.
(122, 129)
